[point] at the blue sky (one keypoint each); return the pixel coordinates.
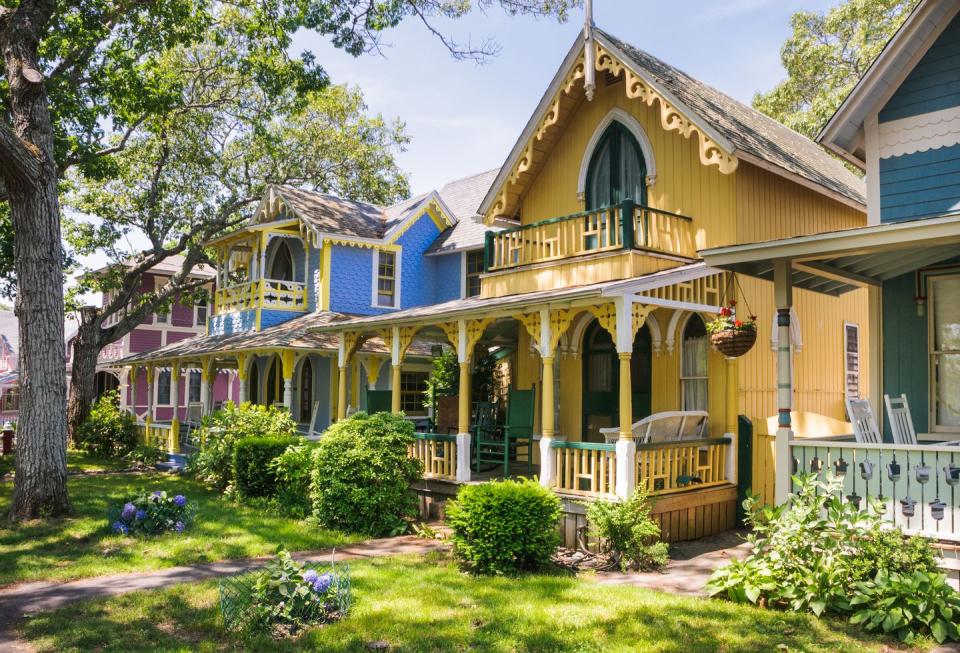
(464, 118)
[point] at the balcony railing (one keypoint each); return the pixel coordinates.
(265, 293)
(585, 468)
(591, 232)
(438, 453)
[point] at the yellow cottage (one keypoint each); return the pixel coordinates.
(595, 296)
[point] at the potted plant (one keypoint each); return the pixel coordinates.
(732, 336)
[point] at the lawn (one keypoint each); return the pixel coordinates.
(77, 462)
(425, 604)
(82, 546)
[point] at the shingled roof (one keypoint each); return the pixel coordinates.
(464, 196)
(332, 214)
(749, 131)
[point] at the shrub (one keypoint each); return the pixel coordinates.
(504, 527)
(819, 552)
(220, 432)
(627, 532)
(909, 605)
(292, 472)
(152, 513)
(253, 476)
(108, 431)
(361, 478)
(144, 455)
(285, 596)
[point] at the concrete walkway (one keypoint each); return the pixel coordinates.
(25, 599)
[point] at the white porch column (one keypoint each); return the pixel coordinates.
(396, 361)
(783, 295)
(548, 472)
(463, 418)
(125, 387)
(174, 444)
(875, 349)
(151, 372)
(242, 371)
(342, 377)
(132, 381)
(626, 446)
(288, 359)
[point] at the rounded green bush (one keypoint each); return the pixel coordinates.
(253, 471)
(504, 527)
(108, 431)
(362, 474)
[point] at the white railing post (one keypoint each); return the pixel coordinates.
(626, 446)
(783, 294)
(547, 424)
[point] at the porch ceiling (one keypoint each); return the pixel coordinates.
(840, 261)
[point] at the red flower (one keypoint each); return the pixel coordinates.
(738, 324)
(726, 312)
(733, 302)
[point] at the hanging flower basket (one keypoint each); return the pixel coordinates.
(732, 337)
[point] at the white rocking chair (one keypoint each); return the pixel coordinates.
(901, 422)
(864, 422)
(668, 426)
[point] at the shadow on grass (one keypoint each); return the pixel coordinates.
(425, 604)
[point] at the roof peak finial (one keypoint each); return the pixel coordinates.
(589, 63)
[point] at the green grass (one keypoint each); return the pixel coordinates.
(77, 462)
(425, 604)
(82, 546)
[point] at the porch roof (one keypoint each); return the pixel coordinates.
(836, 262)
(507, 305)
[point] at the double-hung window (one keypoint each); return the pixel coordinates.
(851, 360)
(163, 388)
(474, 268)
(386, 295)
(413, 385)
(944, 350)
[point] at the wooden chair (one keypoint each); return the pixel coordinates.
(864, 423)
(518, 428)
(489, 446)
(379, 401)
(901, 423)
(668, 426)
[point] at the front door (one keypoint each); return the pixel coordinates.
(306, 392)
(601, 380)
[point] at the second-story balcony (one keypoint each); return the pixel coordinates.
(263, 293)
(591, 232)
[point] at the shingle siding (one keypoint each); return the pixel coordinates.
(235, 322)
(448, 269)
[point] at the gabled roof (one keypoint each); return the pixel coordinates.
(464, 196)
(844, 133)
(727, 129)
(170, 265)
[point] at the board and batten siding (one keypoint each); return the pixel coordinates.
(918, 136)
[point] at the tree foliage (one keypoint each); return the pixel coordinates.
(825, 56)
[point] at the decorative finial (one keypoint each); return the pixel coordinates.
(589, 63)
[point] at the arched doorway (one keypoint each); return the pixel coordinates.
(253, 387)
(106, 382)
(273, 388)
(281, 264)
(617, 169)
(694, 351)
(306, 392)
(601, 379)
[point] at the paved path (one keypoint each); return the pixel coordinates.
(28, 598)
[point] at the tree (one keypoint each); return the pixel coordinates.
(825, 57)
(79, 78)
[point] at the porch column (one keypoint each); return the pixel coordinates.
(132, 380)
(464, 391)
(151, 371)
(242, 377)
(626, 446)
(395, 371)
(174, 444)
(124, 387)
(288, 359)
(547, 400)
(783, 295)
(342, 378)
(206, 372)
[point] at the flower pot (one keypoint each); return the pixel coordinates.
(734, 343)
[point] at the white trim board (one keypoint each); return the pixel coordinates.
(928, 131)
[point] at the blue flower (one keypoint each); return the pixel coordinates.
(141, 514)
(179, 526)
(120, 528)
(128, 512)
(157, 493)
(310, 576)
(322, 584)
(180, 500)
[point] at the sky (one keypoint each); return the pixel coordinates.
(463, 118)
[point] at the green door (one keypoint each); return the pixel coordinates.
(601, 380)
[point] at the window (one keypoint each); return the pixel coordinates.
(281, 267)
(617, 169)
(11, 398)
(412, 387)
(163, 388)
(200, 313)
(693, 365)
(162, 316)
(386, 279)
(944, 343)
(851, 360)
(474, 270)
(193, 387)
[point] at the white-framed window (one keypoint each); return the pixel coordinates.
(472, 269)
(193, 387)
(163, 388)
(386, 280)
(162, 316)
(413, 385)
(943, 343)
(851, 360)
(694, 351)
(200, 313)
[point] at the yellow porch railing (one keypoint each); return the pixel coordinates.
(591, 232)
(666, 467)
(438, 453)
(265, 293)
(585, 468)
(156, 435)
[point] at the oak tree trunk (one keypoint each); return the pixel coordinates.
(83, 377)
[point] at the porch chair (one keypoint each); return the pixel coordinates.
(379, 401)
(488, 443)
(864, 423)
(668, 426)
(901, 422)
(518, 428)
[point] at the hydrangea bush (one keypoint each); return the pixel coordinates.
(152, 513)
(285, 596)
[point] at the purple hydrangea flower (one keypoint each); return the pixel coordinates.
(322, 583)
(179, 526)
(180, 500)
(128, 512)
(157, 493)
(141, 514)
(120, 528)
(310, 576)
